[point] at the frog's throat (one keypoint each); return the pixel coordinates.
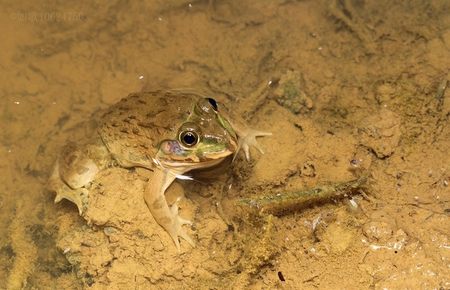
(181, 167)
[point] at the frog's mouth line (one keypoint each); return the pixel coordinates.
(187, 166)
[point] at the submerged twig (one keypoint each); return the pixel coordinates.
(440, 92)
(282, 203)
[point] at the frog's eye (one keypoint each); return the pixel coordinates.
(189, 134)
(206, 106)
(188, 138)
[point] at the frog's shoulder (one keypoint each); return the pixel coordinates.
(133, 128)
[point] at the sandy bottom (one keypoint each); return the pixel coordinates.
(348, 89)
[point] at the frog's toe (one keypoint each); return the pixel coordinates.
(79, 197)
(249, 140)
(177, 230)
(174, 210)
(186, 237)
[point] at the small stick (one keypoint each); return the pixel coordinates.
(440, 93)
(282, 203)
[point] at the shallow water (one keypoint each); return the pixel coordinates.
(356, 86)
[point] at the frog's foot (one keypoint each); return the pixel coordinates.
(175, 229)
(247, 139)
(78, 196)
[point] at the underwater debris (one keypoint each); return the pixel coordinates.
(440, 92)
(282, 203)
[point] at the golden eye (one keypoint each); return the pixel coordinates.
(188, 138)
(189, 134)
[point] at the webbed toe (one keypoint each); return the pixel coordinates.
(248, 139)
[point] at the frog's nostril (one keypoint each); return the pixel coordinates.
(213, 103)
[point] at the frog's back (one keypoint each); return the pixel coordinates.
(133, 128)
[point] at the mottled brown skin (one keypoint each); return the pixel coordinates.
(133, 128)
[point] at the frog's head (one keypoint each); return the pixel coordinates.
(205, 139)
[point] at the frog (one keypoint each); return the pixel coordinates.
(168, 132)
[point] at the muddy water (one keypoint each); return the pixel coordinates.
(357, 87)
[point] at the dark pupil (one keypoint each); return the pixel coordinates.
(189, 138)
(213, 103)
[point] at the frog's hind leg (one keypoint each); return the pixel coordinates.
(164, 215)
(75, 169)
(78, 196)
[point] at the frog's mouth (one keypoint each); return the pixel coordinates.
(184, 166)
(192, 161)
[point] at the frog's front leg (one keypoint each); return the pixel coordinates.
(165, 216)
(247, 139)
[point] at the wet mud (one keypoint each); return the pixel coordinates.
(356, 96)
